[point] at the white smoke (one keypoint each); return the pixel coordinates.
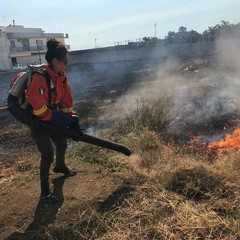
(212, 93)
(228, 52)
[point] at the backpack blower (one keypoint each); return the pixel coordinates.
(17, 106)
(74, 133)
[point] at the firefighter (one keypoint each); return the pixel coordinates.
(54, 105)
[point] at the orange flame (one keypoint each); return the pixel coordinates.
(231, 142)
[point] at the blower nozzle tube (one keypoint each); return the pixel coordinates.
(75, 134)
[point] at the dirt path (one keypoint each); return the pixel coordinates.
(22, 213)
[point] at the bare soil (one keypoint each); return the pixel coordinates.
(22, 213)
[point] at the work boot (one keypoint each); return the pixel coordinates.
(65, 170)
(48, 197)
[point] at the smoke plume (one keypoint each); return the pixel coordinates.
(203, 97)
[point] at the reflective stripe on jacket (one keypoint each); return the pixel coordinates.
(37, 95)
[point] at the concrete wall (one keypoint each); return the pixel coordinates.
(124, 53)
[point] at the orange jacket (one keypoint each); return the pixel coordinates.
(37, 94)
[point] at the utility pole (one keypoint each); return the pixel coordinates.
(155, 30)
(95, 43)
(40, 60)
(4, 20)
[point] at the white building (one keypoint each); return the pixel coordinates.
(19, 45)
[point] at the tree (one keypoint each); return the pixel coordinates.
(170, 38)
(214, 32)
(194, 36)
(185, 36)
(150, 40)
(182, 35)
(182, 30)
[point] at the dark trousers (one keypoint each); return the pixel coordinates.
(47, 143)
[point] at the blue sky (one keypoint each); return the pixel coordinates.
(105, 22)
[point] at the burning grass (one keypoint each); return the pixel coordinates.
(231, 142)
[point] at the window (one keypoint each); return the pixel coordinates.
(39, 44)
(12, 43)
(25, 45)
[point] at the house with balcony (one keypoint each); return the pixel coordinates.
(20, 45)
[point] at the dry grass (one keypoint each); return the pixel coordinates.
(174, 193)
(155, 116)
(177, 192)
